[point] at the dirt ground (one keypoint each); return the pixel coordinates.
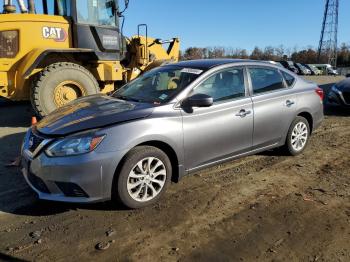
(266, 207)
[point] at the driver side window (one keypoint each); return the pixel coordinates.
(225, 85)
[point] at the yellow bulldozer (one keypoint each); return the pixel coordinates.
(59, 50)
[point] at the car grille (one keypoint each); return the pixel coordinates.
(346, 96)
(34, 142)
(71, 189)
(38, 183)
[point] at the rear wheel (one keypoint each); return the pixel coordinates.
(298, 136)
(143, 178)
(59, 84)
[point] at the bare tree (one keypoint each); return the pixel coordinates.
(257, 54)
(307, 55)
(193, 53)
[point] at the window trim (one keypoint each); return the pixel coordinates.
(246, 84)
(251, 89)
(295, 79)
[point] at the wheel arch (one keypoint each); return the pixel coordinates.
(38, 56)
(177, 172)
(308, 116)
(303, 113)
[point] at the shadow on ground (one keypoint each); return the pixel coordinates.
(4, 257)
(15, 114)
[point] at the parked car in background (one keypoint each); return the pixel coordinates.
(290, 66)
(314, 70)
(171, 121)
(340, 94)
(332, 71)
(302, 69)
(327, 69)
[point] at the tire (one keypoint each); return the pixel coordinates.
(124, 190)
(290, 146)
(59, 84)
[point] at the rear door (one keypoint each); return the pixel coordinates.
(224, 129)
(274, 104)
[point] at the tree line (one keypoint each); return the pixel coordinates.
(270, 53)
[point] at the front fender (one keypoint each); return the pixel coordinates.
(35, 57)
(124, 137)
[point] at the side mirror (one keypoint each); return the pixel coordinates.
(198, 100)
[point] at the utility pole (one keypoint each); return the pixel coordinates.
(328, 46)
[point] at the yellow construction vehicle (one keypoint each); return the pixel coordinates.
(65, 49)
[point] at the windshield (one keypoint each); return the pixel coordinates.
(158, 86)
(291, 65)
(301, 66)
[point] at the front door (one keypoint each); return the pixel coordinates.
(224, 129)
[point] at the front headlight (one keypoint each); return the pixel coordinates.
(9, 44)
(74, 146)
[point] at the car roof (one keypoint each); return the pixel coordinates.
(206, 64)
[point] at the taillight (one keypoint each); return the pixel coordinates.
(320, 92)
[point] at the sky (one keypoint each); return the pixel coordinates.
(234, 23)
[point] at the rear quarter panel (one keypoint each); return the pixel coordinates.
(309, 101)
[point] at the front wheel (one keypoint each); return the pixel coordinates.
(298, 136)
(143, 178)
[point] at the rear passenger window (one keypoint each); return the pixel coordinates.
(265, 80)
(288, 78)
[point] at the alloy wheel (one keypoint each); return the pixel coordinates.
(299, 136)
(146, 179)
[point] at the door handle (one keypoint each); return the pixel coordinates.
(243, 113)
(289, 103)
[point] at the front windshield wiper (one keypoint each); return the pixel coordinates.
(127, 98)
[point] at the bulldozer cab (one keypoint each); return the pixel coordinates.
(95, 25)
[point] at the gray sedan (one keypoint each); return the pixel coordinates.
(169, 122)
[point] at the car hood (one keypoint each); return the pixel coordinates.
(91, 112)
(344, 85)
